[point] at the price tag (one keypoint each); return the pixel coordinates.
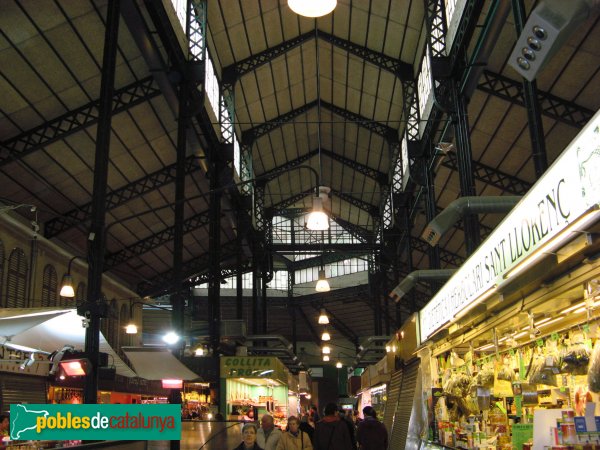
(554, 336)
(540, 342)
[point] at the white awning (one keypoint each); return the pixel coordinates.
(157, 363)
(53, 333)
(17, 320)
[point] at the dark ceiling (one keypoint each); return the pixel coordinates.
(328, 93)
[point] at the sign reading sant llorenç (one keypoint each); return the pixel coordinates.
(568, 190)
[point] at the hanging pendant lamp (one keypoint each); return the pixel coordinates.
(312, 8)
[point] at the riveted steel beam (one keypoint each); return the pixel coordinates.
(378, 128)
(285, 167)
(356, 231)
(552, 106)
(379, 177)
(402, 70)
(395, 66)
(71, 122)
(117, 197)
(191, 269)
(489, 175)
(445, 256)
(369, 208)
(254, 133)
(381, 129)
(156, 240)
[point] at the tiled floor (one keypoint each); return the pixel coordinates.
(205, 436)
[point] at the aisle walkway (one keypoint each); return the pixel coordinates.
(205, 435)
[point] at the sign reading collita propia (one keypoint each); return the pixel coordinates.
(95, 422)
(569, 188)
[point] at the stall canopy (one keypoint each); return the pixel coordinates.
(17, 320)
(50, 330)
(157, 363)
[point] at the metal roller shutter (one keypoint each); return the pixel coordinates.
(404, 406)
(392, 401)
(21, 389)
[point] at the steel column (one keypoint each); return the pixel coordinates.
(534, 111)
(292, 308)
(263, 304)
(178, 227)
(214, 255)
(465, 166)
(255, 287)
(430, 213)
(239, 293)
(93, 307)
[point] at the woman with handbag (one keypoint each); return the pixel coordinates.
(294, 438)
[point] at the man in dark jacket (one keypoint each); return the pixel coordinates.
(350, 426)
(371, 433)
(330, 432)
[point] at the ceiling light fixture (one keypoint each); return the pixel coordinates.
(325, 336)
(322, 283)
(66, 289)
(323, 318)
(312, 8)
(325, 358)
(170, 338)
(326, 350)
(131, 329)
(318, 219)
(338, 364)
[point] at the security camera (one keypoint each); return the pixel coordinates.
(85, 322)
(549, 25)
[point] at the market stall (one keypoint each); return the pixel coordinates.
(509, 346)
(254, 383)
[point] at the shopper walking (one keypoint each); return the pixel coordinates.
(294, 438)
(307, 426)
(268, 436)
(371, 433)
(330, 432)
(248, 438)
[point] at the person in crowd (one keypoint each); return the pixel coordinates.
(307, 426)
(357, 418)
(249, 416)
(268, 436)
(314, 414)
(294, 438)
(248, 438)
(330, 432)
(371, 433)
(4, 425)
(350, 426)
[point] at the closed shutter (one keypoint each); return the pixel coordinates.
(16, 280)
(49, 283)
(15, 389)
(404, 406)
(392, 400)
